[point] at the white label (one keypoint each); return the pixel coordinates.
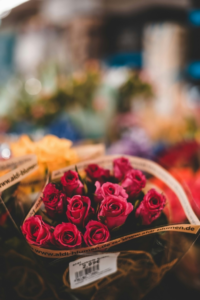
(91, 268)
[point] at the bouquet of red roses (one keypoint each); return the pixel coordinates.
(101, 231)
(98, 234)
(89, 211)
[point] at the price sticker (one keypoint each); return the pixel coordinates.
(91, 268)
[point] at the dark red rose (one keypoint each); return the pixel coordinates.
(121, 166)
(96, 173)
(151, 207)
(134, 182)
(96, 233)
(71, 184)
(66, 236)
(79, 210)
(114, 210)
(54, 200)
(37, 232)
(108, 189)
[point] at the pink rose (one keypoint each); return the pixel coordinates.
(53, 200)
(66, 236)
(121, 166)
(96, 233)
(96, 173)
(37, 232)
(151, 207)
(108, 189)
(71, 184)
(115, 210)
(134, 182)
(79, 210)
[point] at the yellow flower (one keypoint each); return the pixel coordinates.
(52, 153)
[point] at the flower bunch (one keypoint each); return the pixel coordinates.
(88, 211)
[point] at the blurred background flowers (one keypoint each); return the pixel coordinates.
(100, 70)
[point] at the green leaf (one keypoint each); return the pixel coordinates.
(116, 228)
(97, 208)
(85, 188)
(76, 169)
(79, 176)
(137, 202)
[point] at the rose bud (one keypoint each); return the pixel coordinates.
(108, 189)
(53, 200)
(151, 207)
(66, 236)
(96, 233)
(37, 232)
(79, 210)
(96, 173)
(114, 210)
(71, 184)
(121, 166)
(134, 182)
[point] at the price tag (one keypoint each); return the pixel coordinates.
(91, 268)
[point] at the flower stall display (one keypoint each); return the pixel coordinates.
(100, 229)
(136, 86)
(74, 104)
(133, 141)
(69, 90)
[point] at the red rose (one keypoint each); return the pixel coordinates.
(79, 210)
(151, 207)
(134, 182)
(108, 189)
(121, 166)
(96, 173)
(71, 184)
(53, 200)
(36, 231)
(66, 236)
(115, 210)
(96, 233)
